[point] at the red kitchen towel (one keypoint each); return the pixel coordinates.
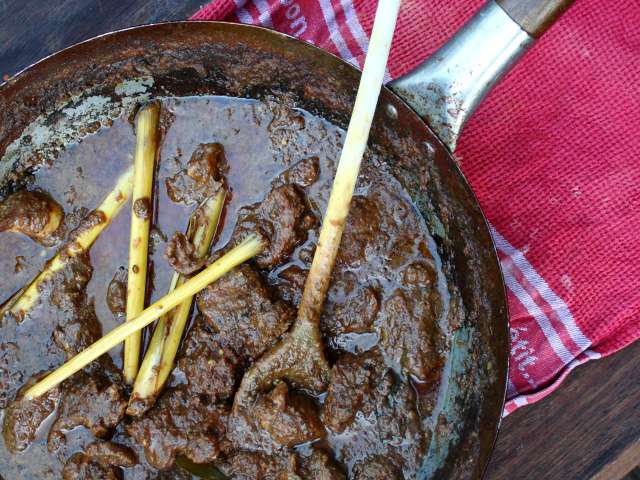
(553, 156)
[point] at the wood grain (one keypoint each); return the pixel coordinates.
(33, 29)
(590, 426)
(621, 466)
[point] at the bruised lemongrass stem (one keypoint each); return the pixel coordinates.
(159, 358)
(80, 241)
(355, 143)
(250, 247)
(144, 166)
(299, 357)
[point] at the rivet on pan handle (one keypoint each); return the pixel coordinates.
(447, 88)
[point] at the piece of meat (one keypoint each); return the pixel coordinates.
(350, 307)
(90, 399)
(304, 173)
(290, 283)
(377, 467)
(80, 467)
(352, 388)
(34, 214)
(380, 415)
(320, 466)
(408, 327)
(182, 256)
(66, 288)
(277, 421)
(286, 123)
(143, 470)
(365, 234)
(202, 178)
(117, 293)
(397, 418)
(23, 417)
(240, 309)
(282, 220)
(244, 465)
(99, 462)
(77, 326)
(111, 454)
(180, 423)
(288, 417)
(210, 368)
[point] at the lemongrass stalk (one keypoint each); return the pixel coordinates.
(299, 357)
(250, 247)
(144, 166)
(80, 241)
(355, 143)
(161, 353)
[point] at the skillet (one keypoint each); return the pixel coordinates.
(210, 58)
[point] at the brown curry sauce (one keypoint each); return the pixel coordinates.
(383, 324)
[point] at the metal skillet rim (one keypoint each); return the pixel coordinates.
(456, 168)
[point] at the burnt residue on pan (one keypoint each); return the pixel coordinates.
(91, 86)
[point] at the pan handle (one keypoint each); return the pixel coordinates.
(535, 16)
(447, 88)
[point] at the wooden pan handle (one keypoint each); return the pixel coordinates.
(535, 16)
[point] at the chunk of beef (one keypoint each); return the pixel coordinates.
(365, 233)
(203, 177)
(243, 465)
(109, 453)
(290, 284)
(182, 255)
(377, 467)
(80, 467)
(386, 420)
(289, 418)
(320, 466)
(66, 288)
(77, 326)
(276, 421)
(281, 220)
(350, 307)
(397, 418)
(34, 214)
(23, 417)
(352, 388)
(210, 368)
(408, 329)
(89, 399)
(99, 462)
(117, 293)
(240, 309)
(304, 173)
(181, 423)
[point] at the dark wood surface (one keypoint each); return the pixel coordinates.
(32, 29)
(589, 428)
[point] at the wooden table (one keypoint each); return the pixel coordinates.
(589, 428)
